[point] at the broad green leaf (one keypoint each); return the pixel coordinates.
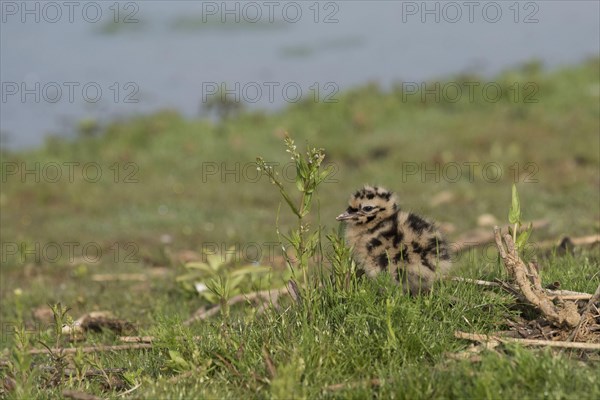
(299, 183)
(302, 168)
(514, 214)
(523, 237)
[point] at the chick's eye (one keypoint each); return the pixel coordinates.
(367, 208)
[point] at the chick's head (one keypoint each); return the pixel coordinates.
(369, 205)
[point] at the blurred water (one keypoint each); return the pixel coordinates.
(170, 53)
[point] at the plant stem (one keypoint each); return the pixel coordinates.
(515, 232)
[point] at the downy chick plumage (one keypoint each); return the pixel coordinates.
(385, 238)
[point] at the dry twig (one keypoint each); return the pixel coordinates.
(528, 280)
(526, 342)
(136, 339)
(562, 294)
(149, 339)
(585, 316)
(91, 349)
(578, 241)
(474, 281)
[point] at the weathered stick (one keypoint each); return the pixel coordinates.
(136, 339)
(92, 349)
(148, 339)
(586, 313)
(474, 281)
(528, 280)
(476, 337)
(577, 241)
(562, 294)
(586, 240)
(566, 293)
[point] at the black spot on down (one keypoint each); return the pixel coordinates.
(373, 244)
(382, 261)
(418, 224)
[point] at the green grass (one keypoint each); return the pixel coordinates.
(370, 331)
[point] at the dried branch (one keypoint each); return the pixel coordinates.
(569, 293)
(561, 294)
(474, 281)
(136, 339)
(149, 339)
(476, 337)
(578, 241)
(529, 283)
(586, 315)
(91, 349)
(592, 239)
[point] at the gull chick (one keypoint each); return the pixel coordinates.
(387, 239)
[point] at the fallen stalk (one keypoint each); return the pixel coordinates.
(148, 339)
(91, 349)
(476, 337)
(587, 313)
(529, 283)
(563, 294)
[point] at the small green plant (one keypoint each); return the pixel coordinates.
(219, 279)
(514, 218)
(81, 366)
(309, 176)
(57, 354)
(342, 264)
(19, 367)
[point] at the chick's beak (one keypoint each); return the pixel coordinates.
(344, 216)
